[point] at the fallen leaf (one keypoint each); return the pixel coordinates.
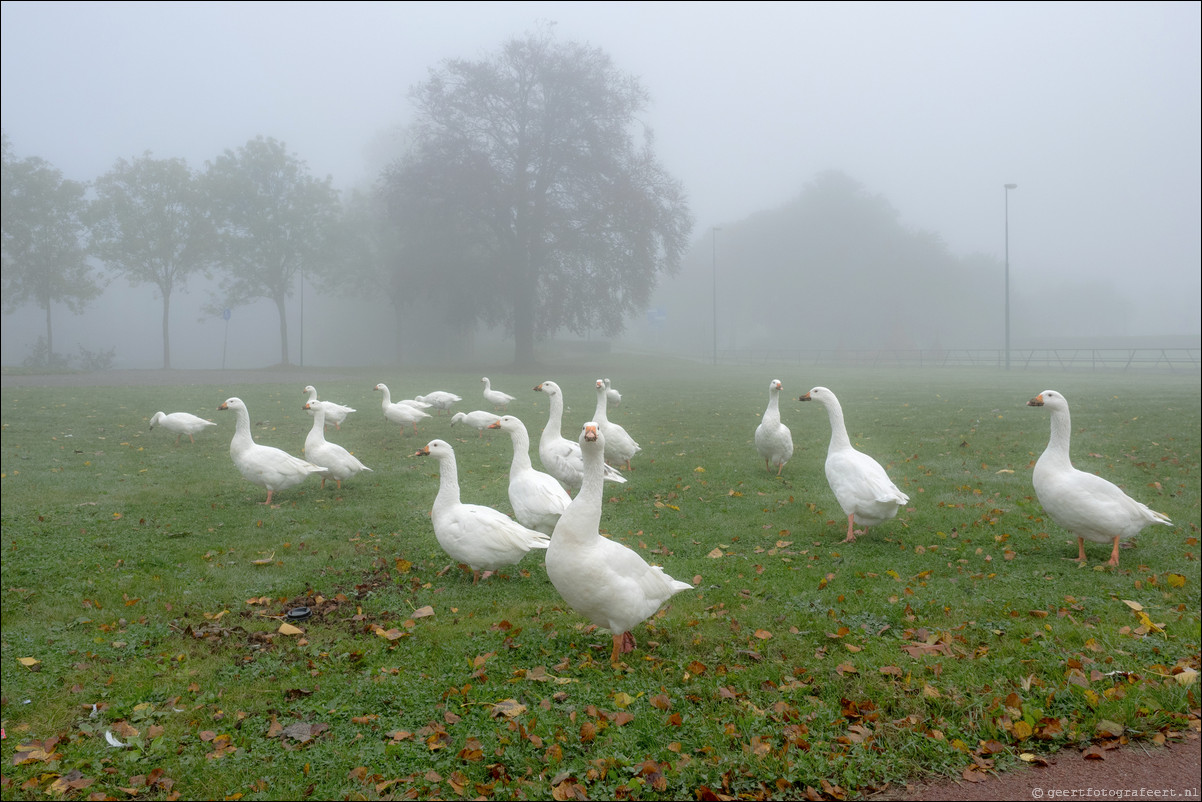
(510, 708)
(289, 629)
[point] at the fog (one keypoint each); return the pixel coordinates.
(1093, 110)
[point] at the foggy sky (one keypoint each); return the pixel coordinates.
(1092, 109)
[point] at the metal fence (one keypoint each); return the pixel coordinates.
(1174, 360)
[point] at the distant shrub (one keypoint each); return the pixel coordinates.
(41, 357)
(96, 360)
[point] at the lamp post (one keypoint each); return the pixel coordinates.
(714, 239)
(1008, 187)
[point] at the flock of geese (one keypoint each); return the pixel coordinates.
(559, 511)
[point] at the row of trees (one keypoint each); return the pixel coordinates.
(529, 199)
(254, 215)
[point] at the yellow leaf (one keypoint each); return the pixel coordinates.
(1021, 730)
(1134, 605)
(422, 612)
(288, 629)
(622, 699)
(28, 662)
(699, 469)
(510, 708)
(265, 560)
(1187, 677)
(715, 553)
(1176, 580)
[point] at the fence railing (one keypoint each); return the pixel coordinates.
(1161, 359)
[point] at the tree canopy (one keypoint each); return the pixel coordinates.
(274, 221)
(149, 224)
(532, 198)
(45, 257)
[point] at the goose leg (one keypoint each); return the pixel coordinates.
(780, 468)
(614, 659)
(1114, 554)
(851, 535)
(1080, 550)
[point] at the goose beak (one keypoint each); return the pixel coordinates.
(1037, 401)
(495, 425)
(590, 432)
(805, 397)
(424, 451)
(223, 406)
(538, 388)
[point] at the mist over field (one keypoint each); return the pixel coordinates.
(853, 176)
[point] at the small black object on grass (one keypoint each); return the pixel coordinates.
(299, 613)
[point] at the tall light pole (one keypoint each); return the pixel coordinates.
(1008, 187)
(714, 236)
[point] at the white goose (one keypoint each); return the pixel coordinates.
(559, 455)
(498, 399)
(603, 580)
(267, 467)
(772, 438)
(439, 399)
(861, 486)
(612, 396)
(619, 446)
(1087, 505)
(400, 413)
(339, 463)
(478, 536)
(537, 498)
(180, 423)
(479, 419)
(335, 413)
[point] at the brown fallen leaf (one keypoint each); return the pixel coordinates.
(510, 708)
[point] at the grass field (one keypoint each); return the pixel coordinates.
(144, 586)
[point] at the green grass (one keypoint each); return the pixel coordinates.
(148, 582)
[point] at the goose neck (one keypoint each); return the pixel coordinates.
(839, 438)
(1058, 443)
(448, 482)
(521, 449)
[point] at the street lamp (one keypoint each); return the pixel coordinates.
(1008, 187)
(714, 237)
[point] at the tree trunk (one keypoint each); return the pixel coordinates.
(524, 293)
(166, 331)
(282, 309)
(49, 338)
